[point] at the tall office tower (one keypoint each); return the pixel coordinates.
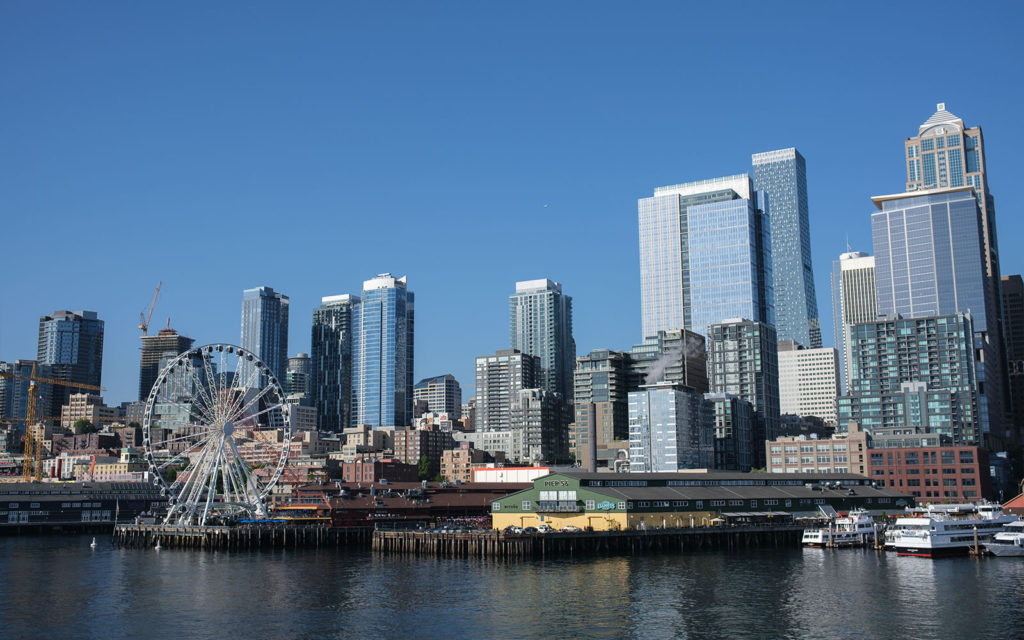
(154, 348)
(946, 154)
(297, 379)
(17, 398)
(537, 415)
(705, 255)
(929, 261)
(937, 351)
(1013, 332)
(71, 344)
(854, 299)
(601, 397)
(264, 332)
(808, 381)
(743, 361)
(670, 429)
(330, 365)
(733, 430)
(499, 378)
(443, 394)
(540, 324)
(670, 356)
(782, 175)
(382, 357)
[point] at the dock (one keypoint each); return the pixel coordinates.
(239, 538)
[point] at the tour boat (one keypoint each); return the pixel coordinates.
(948, 529)
(856, 528)
(1009, 542)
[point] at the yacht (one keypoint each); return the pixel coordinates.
(948, 529)
(855, 529)
(1009, 542)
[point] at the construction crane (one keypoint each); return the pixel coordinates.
(145, 318)
(33, 467)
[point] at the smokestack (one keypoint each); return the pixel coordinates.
(590, 452)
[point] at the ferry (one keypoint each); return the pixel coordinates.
(948, 529)
(855, 529)
(1009, 542)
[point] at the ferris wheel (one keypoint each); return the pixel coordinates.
(216, 433)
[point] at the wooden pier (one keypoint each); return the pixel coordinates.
(493, 544)
(239, 538)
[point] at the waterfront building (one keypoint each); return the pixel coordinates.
(705, 255)
(71, 345)
(928, 465)
(670, 428)
(842, 453)
(330, 363)
(733, 423)
(499, 378)
(937, 351)
(808, 381)
(264, 333)
(382, 356)
(372, 470)
(854, 299)
(442, 394)
(618, 501)
(154, 348)
(743, 361)
(782, 175)
(930, 261)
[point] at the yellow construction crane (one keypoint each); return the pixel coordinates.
(33, 468)
(145, 318)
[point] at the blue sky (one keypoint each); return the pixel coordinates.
(309, 146)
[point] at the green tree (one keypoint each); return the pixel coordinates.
(84, 426)
(424, 468)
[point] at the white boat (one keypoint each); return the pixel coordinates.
(855, 529)
(1009, 542)
(948, 529)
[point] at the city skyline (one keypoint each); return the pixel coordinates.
(209, 174)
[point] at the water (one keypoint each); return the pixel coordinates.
(57, 587)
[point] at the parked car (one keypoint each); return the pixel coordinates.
(513, 529)
(570, 529)
(530, 530)
(544, 528)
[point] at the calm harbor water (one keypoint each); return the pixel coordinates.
(57, 587)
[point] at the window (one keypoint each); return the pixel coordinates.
(680, 503)
(590, 505)
(966, 457)
(621, 505)
(699, 504)
(526, 505)
(495, 506)
(718, 503)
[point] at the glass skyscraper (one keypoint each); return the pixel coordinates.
(71, 344)
(382, 356)
(670, 429)
(782, 175)
(705, 255)
(929, 261)
(331, 361)
(540, 324)
(264, 331)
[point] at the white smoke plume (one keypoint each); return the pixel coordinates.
(656, 371)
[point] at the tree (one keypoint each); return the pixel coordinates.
(424, 468)
(84, 426)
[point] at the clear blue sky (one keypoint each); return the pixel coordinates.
(308, 146)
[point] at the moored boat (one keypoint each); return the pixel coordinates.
(855, 529)
(948, 529)
(1009, 542)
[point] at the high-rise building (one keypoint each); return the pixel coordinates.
(297, 375)
(15, 391)
(743, 361)
(499, 378)
(890, 351)
(382, 358)
(670, 429)
(733, 431)
(677, 356)
(854, 299)
(71, 344)
(537, 415)
(705, 255)
(1013, 332)
(443, 394)
(330, 363)
(601, 395)
(782, 175)
(808, 381)
(154, 348)
(929, 261)
(264, 333)
(540, 324)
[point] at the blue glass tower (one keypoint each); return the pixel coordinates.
(71, 344)
(782, 175)
(382, 355)
(265, 330)
(331, 361)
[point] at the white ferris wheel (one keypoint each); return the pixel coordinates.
(216, 434)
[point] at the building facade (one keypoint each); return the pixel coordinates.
(264, 332)
(705, 255)
(734, 432)
(743, 362)
(499, 378)
(443, 394)
(842, 453)
(601, 402)
(928, 465)
(670, 429)
(71, 345)
(382, 356)
(782, 176)
(808, 381)
(678, 356)
(330, 364)
(854, 299)
(154, 349)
